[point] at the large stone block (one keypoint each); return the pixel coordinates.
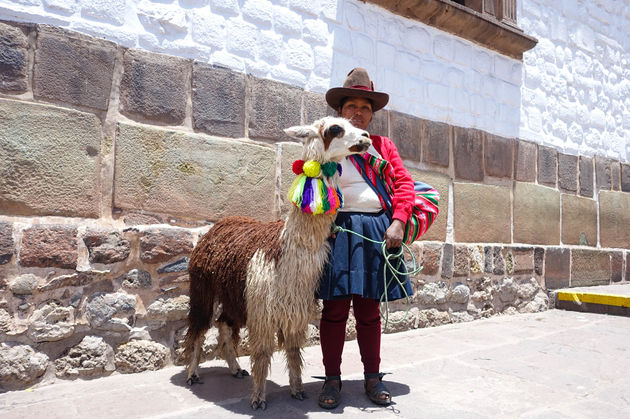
(192, 175)
(111, 312)
(289, 152)
(141, 355)
(557, 267)
(272, 107)
(13, 59)
(579, 220)
(482, 213)
(106, 246)
(92, 357)
(406, 135)
(462, 261)
(523, 260)
(49, 246)
(20, 366)
(436, 143)
(498, 261)
(314, 107)
(615, 175)
(162, 245)
(154, 86)
(625, 177)
(536, 214)
(447, 261)
(49, 161)
(6, 243)
(525, 161)
(498, 155)
(616, 266)
(73, 68)
(586, 176)
(468, 153)
(547, 165)
(589, 267)
(379, 124)
(614, 219)
(603, 173)
(567, 172)
(51, 322)
(441, 183)
(431, 258)
(218, 100)
(539, 259)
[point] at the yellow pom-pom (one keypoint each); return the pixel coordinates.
(312, 168)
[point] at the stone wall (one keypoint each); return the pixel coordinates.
(570, 92)
(114, 161)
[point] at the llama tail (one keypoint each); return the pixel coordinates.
(200, 315)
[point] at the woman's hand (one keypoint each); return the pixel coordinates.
(394, 234)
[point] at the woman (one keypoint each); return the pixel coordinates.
(355, 268)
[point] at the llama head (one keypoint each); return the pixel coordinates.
(330, 139)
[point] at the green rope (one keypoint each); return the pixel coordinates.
(390, 259)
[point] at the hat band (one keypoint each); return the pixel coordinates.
(358, 86)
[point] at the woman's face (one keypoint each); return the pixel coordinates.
(358, 110)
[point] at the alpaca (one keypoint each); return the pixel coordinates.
(264, 275)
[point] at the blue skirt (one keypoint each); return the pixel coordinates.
(356, 266)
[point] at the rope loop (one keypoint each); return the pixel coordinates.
(393, 262)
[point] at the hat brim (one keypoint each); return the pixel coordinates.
(335, 95)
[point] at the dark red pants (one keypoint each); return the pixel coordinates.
(332, 333)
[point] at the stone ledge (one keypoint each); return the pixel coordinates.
(463, 22)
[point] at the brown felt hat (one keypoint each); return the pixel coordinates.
(357, 84)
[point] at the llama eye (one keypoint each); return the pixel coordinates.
(335, 131)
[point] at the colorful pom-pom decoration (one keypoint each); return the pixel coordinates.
(329, 168)
(315, 196)
(298, 167)
(312, 168)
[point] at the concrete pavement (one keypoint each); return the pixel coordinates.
(556, 364)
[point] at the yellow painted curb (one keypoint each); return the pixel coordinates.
(609, 300)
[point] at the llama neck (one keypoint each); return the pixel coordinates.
(306, 231)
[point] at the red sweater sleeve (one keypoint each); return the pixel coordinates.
(404, 194)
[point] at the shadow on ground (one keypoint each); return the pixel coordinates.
(233, 395)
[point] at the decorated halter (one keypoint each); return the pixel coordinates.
(313, 190)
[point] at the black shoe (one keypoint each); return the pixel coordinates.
(330, 392)
(377, 393)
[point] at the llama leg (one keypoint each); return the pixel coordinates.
(193, 374)
(261, 352)
(227, 347)
(293, 344)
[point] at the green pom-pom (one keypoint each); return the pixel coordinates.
(329, 169)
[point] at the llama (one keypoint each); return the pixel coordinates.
(264, 275)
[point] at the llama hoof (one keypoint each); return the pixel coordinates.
(300, 395)
(240, 373)
(262, 405)
(194, 379)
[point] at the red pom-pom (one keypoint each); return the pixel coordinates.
(298, 167)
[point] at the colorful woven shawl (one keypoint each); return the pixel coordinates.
(379, 174)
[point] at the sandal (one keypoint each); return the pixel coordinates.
(330, 392)
(378, 390)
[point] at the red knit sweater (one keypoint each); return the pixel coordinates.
(404, 194)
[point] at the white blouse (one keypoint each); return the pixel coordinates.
(358, 195)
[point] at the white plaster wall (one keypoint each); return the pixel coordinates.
(576, 81)
(570, 92)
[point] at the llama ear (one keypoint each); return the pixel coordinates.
(301, 132)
